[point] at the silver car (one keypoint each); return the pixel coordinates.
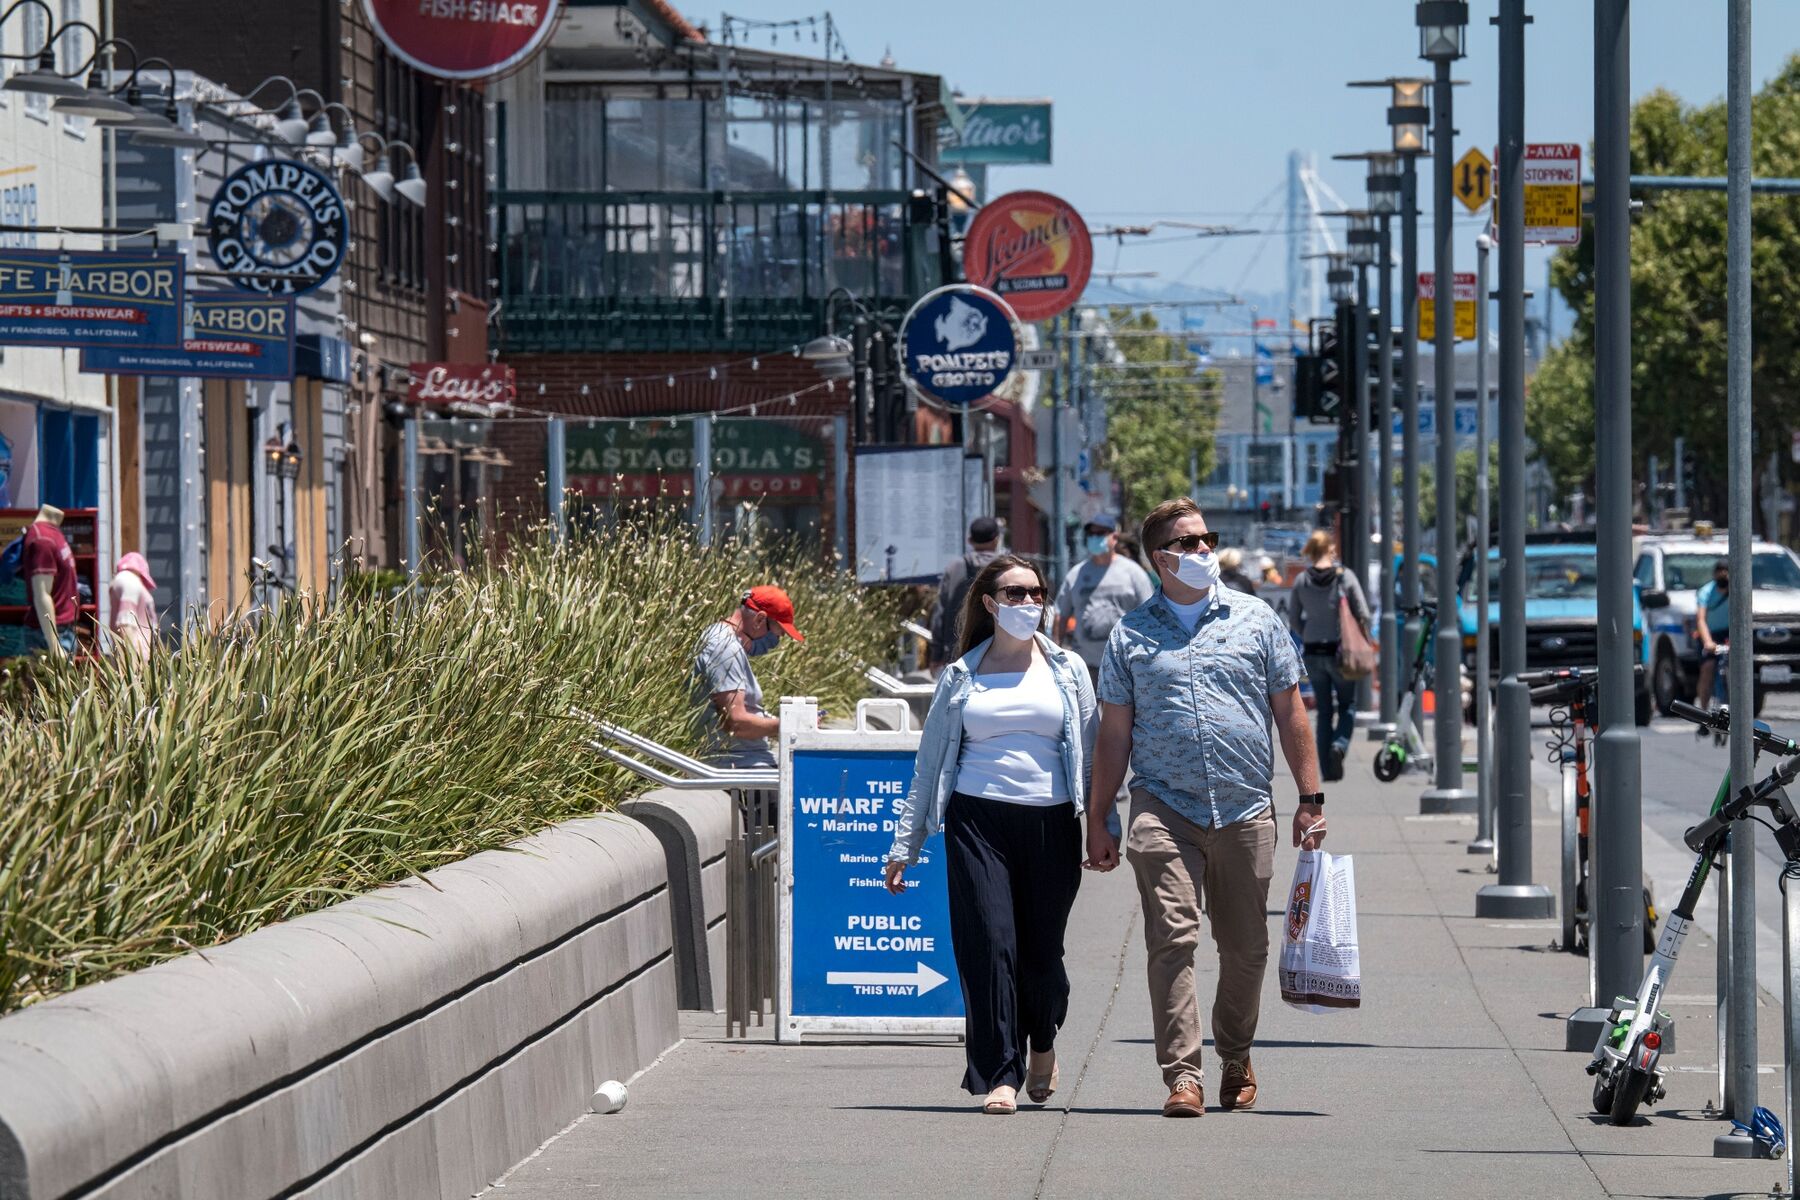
(1670, 572)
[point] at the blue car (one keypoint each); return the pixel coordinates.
(1561, 610)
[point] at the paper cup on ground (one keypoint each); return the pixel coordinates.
(610, 1098)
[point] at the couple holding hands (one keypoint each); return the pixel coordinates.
(1015, 751)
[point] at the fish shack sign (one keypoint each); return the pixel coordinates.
(959, 345)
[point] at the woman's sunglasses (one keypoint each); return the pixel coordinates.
(1192, 542)
(1018, 595)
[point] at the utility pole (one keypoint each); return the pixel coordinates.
(1615, 895)
(1059, 545)
(1740, 856)
(1515, 896)
(1441, 42)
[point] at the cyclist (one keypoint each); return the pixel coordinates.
(1712, 620)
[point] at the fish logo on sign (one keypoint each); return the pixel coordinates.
(963, 325)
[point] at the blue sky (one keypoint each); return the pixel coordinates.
(1188, 110)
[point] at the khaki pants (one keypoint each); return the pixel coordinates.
(1169, 855)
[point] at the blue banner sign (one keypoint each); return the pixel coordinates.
(859, 951)
(89, 298)
(228, 337)
(959, 344)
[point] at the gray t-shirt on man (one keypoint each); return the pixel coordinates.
(722, 665)
(1097, 597)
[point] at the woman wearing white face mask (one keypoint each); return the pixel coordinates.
(1003, 770)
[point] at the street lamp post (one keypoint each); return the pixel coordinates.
(1407, 117)
(1364, 243)
(1515, 896)
(1384, 202)
(1340, 283)
(1615, 896)
(1441, 24)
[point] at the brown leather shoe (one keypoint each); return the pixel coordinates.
(1238, 1088)
(1186, 1100)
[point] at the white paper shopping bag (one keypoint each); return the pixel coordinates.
(1320, 971)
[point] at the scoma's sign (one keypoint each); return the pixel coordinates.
(1033, 250)
(278, 228)
(464, 39)
(443, 384)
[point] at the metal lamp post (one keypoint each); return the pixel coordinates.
(1384, 202)
(1441, 26)
(1364, 243)
(1515, 896)
(1407, 118)
(1340, 284)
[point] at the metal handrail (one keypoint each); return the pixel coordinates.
(751, 779)
(897, 687)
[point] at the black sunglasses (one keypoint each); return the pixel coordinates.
(1015, 594)
(1192, 542)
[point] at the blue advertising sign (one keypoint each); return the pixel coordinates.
(958, 344)
(228, 337)
(860, 952)
(89, 298)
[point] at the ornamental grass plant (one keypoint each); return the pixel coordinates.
(246, 777)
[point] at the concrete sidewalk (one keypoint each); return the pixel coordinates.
(1450, 1080)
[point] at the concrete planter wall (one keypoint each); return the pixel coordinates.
(693, 828)
(413, 1042)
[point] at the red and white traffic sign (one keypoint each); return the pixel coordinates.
(1462, 294)
(1553, 193)
(464, 39)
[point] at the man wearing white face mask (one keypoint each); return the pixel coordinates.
(1189, 686)
(1096, 592)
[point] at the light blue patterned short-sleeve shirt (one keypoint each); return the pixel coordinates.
(1200, 738)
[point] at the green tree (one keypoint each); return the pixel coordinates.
(1465, 488)
(1162, 411)
(1678, 343)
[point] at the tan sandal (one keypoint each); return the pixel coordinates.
(1041, 1087)
(1003, 1101)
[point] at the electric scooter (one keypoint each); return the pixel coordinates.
(1405, 748)
(1627, 1057)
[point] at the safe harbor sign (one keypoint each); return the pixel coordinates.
(225, 337)
(89, 298)
(856, 958)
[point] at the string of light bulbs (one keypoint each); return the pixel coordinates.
(752, 408)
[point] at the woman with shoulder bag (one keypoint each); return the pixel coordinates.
(1324, 594)
(1003, 769)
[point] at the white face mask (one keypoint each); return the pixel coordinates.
(1198, 571)
(1019, 620)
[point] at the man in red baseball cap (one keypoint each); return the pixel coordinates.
(724, 681)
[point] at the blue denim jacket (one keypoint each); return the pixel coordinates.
(921, 814)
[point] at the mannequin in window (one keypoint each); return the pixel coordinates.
(133, 608)
(49, 569)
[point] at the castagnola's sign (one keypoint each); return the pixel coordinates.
(464, 39)
(278, 228)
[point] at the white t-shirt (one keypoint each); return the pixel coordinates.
(1190, 614)
(1012, 738)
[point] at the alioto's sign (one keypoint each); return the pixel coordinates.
(463, 39)
(278, 227)
(958, 344)
(89, 298)
(227, 337)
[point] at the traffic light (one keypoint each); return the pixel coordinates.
(1330, 404)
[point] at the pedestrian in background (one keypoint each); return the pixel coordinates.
(133, 620)
(953, 586)
(1096, 592)
(1002, 768)
(1712, 625)
(1231, 571)
(1315, 614)
(725, 685)
(1188, 689)
(1270, 572)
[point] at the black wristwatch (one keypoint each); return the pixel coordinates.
(1317, 799)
